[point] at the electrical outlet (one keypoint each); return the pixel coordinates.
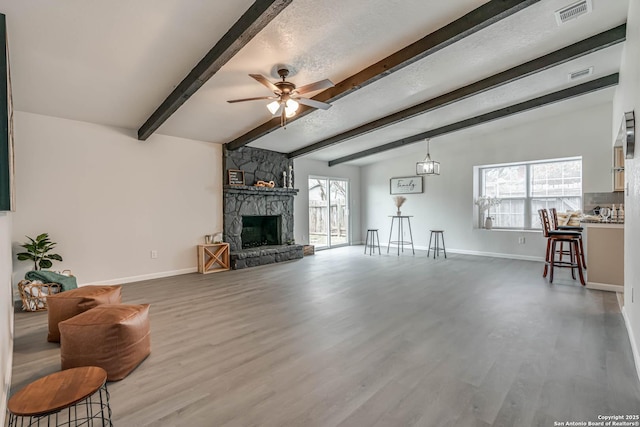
(521, 240)
(154, 254)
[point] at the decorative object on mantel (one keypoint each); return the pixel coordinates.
(484, 203)
(428, 166)
(284, 179)
(290, 176)
(269, 184)
(236, 177)
(406, 185)
(399, 200)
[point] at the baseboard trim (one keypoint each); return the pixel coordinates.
(634, 344)
(476, 253)
(605, 287)
(497, 255)
(142, 277)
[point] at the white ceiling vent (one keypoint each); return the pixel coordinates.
(573, 11)
(580, 74)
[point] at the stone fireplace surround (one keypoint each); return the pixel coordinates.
(247, 200)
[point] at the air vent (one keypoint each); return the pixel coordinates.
(573, 11)
(580, 74)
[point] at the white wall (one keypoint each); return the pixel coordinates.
(627, 99)
(108, 199)
(6, 312)
(303, 168)
(447, 201)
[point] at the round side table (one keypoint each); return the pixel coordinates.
(75, 396)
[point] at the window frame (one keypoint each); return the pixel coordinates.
(528, 198)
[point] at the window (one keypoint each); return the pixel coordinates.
(526, 187)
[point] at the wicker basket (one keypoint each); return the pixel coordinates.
(34, 295)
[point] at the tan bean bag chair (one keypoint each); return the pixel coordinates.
(67, 304)
(115, 337)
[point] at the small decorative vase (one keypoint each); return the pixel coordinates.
(488, 223)
(398, 213)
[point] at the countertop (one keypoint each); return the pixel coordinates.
(591, 224)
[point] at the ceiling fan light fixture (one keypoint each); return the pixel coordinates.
(291, 107)
(273, 106)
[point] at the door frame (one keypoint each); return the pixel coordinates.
(348, 205)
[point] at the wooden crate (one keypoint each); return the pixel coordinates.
(308, 250)
(213, 257)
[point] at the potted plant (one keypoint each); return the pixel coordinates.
(38, 252)
(484, 203)
(37, 284)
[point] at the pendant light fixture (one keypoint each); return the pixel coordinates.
(428, 166)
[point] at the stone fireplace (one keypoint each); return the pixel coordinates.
(258, 221)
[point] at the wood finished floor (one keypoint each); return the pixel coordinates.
(344, 339)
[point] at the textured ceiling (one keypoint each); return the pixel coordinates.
(114, 62)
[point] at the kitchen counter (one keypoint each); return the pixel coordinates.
(588, 224)
(604, 247)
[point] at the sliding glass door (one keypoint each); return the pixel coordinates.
(328, 212)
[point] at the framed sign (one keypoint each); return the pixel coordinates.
(236, 177)
(406, 185)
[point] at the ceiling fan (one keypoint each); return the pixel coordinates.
(286, 95)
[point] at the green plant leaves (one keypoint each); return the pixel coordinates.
(37, 251)
(23, 256)
(45, 263)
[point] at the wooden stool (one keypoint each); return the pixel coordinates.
(76, 396)
(436, 248)
(575, 261)
(371, 244)
(554, 218)
(573, 238)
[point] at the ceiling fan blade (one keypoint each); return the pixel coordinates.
(263, 80)
(251, 99)
(312, 87)
(313, 103)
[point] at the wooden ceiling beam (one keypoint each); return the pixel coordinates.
(250, 23)
(572, 92)
(472, 22)
(569, 53)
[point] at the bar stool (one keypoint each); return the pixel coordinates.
(372, 233)
(554, 217)
(562, 236)
(436, 248)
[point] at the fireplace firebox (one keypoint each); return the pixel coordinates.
(261, 230)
